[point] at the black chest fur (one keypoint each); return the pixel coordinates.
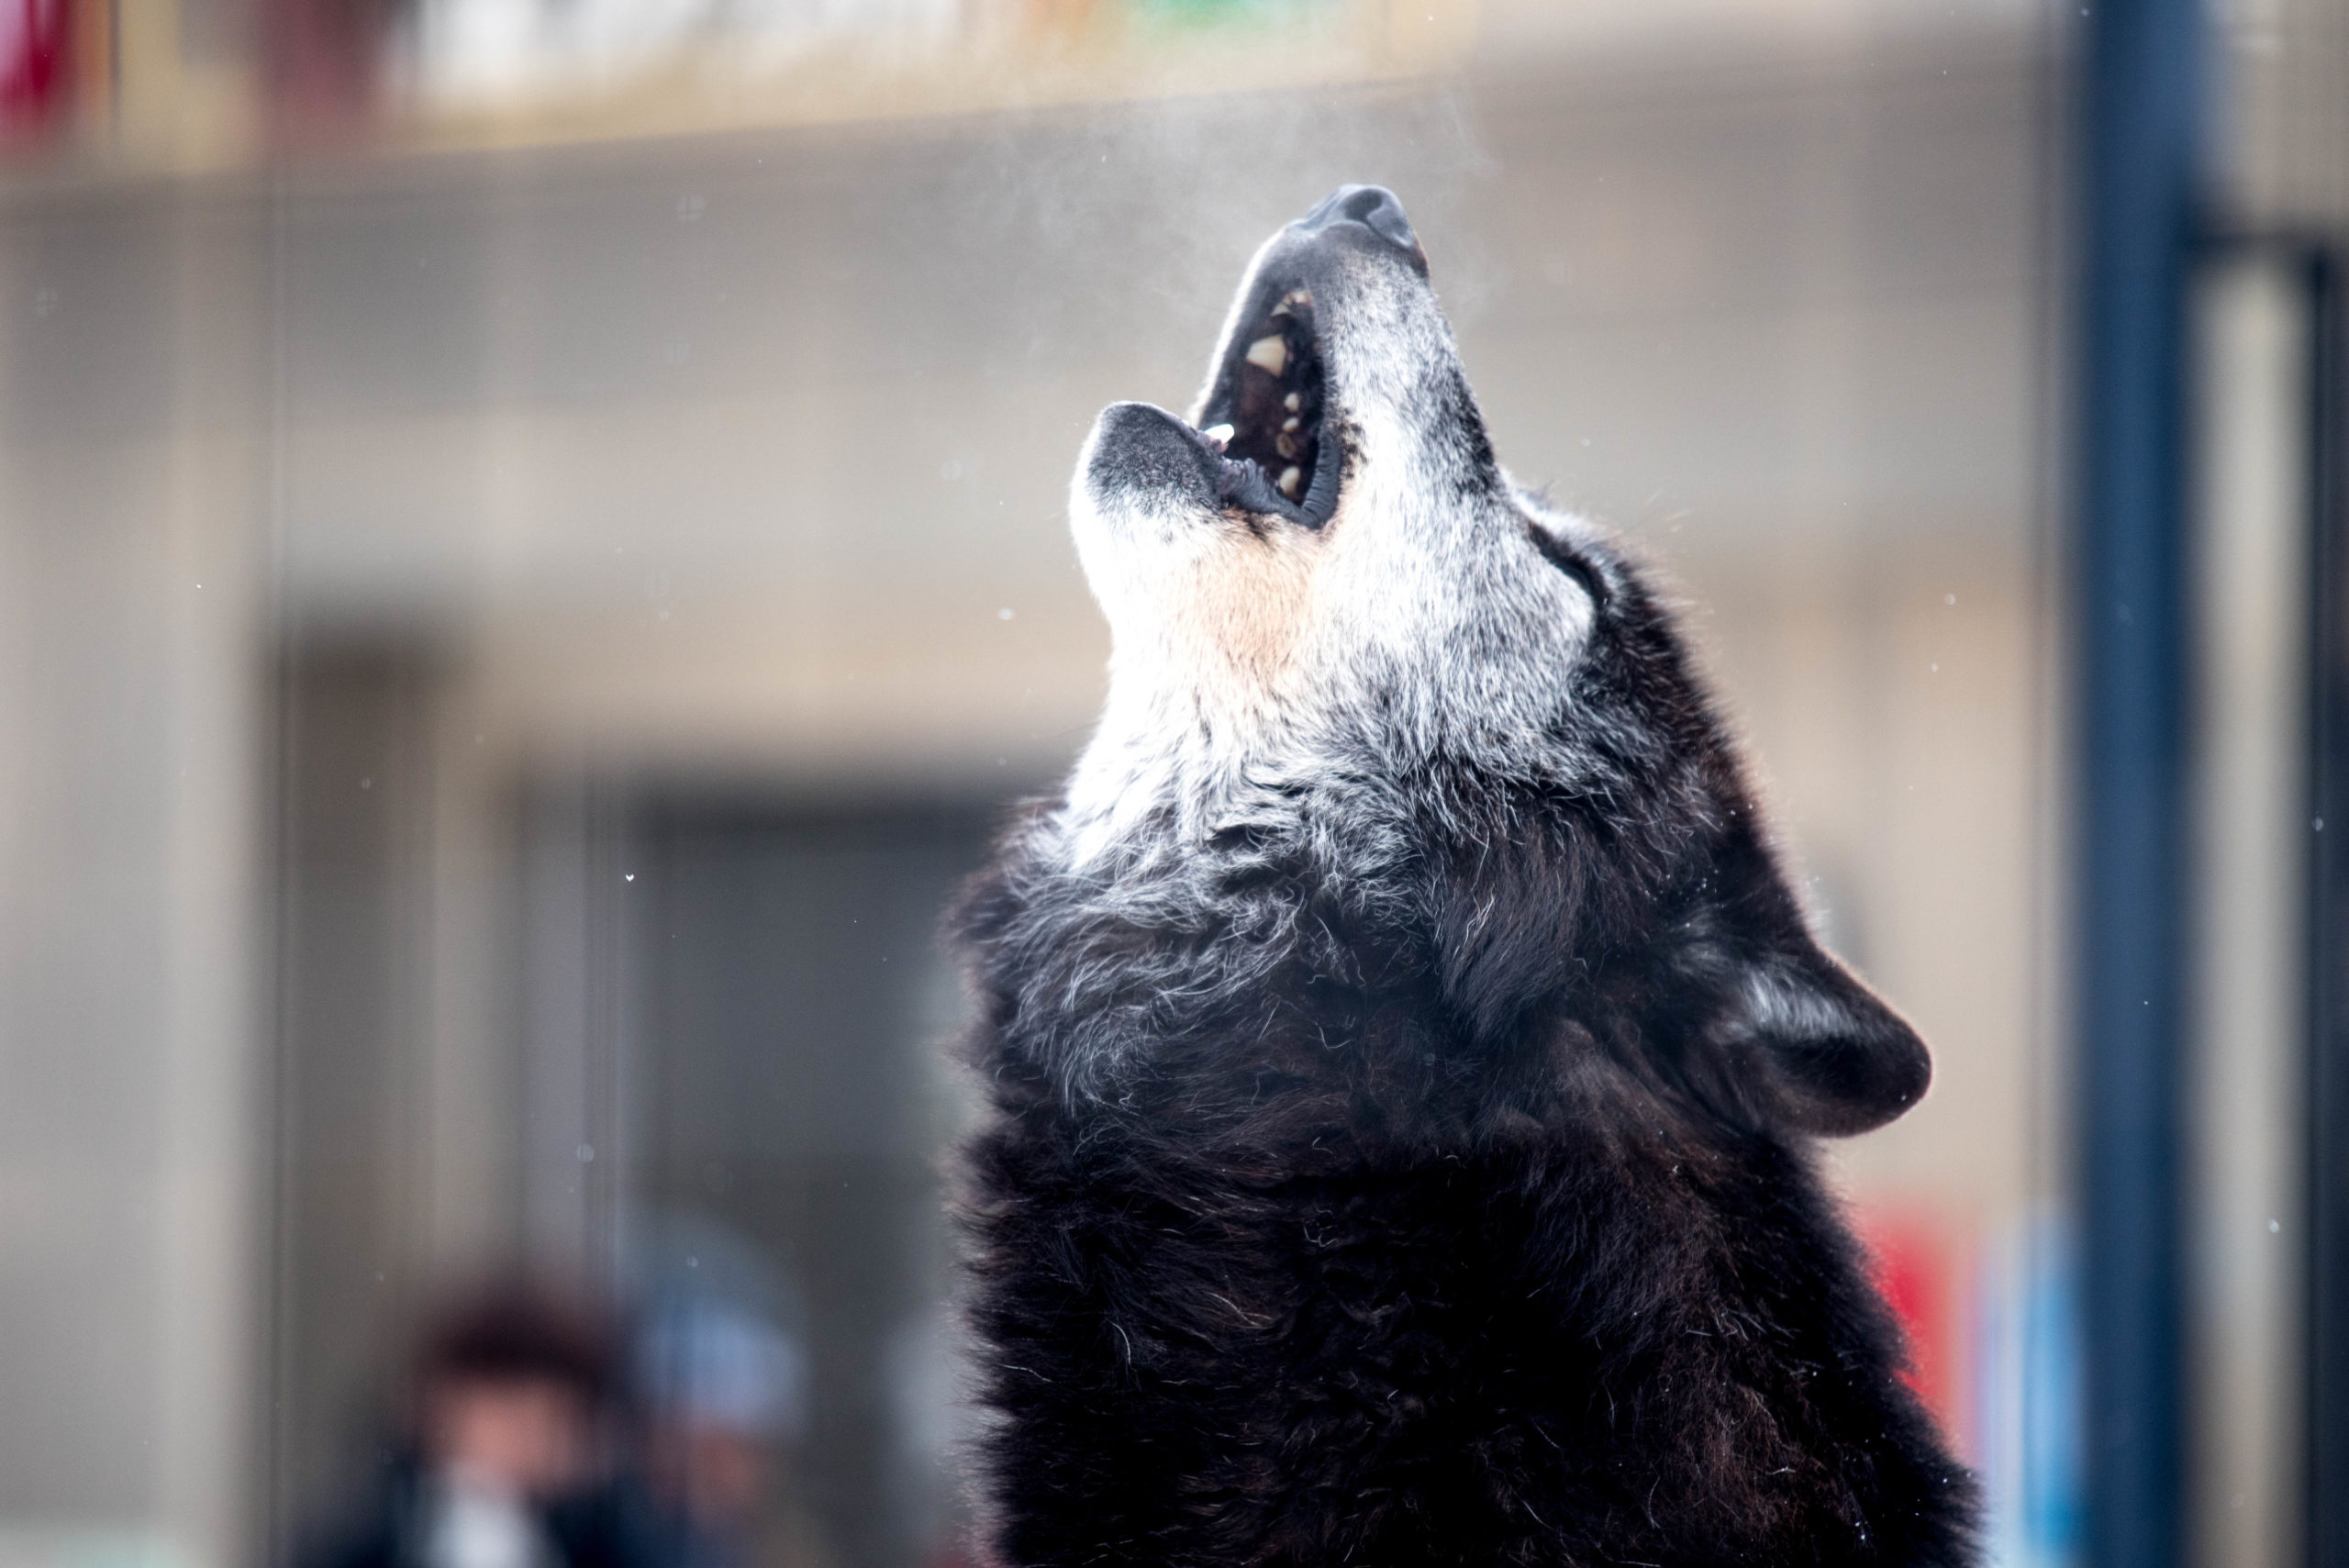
(1288, 1298)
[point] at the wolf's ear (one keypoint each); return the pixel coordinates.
(1803, 1040)
(1816, 1047)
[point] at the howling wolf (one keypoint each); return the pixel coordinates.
(1403, 1050)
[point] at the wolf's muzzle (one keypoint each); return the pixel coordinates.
(1265, 444)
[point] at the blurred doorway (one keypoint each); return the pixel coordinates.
(791, 1096)
(714, 1094)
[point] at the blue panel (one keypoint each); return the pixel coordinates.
(2140, 138)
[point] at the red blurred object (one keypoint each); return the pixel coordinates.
(325, 61)
(36, 62)
(1910, 1264)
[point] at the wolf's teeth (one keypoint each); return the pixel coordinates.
(1291, 423)
(1284, 444)
(1291, 477)
(1269, 353)
(1219, 436)
(1293, 402)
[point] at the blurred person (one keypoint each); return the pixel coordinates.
(511, 1404)
(722, 1402)
(721, 1370)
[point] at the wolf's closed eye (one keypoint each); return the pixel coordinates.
(1563, 556)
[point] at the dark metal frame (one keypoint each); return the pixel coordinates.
(2140, 144)
(2326, 1332)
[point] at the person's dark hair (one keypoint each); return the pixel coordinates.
(520, 1329)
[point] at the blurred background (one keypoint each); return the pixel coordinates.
(532, 559)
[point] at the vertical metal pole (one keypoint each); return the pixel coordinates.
(2140, 139)
(2327, 1329)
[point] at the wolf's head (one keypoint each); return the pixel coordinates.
(1356, 669)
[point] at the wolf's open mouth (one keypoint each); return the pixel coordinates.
(1266, 414)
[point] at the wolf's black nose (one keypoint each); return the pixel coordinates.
(1373, 206)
